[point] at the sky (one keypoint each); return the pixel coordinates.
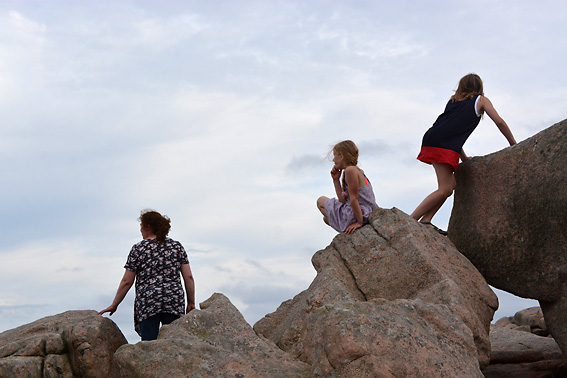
(220, 114)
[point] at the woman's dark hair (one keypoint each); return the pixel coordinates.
(159, 224)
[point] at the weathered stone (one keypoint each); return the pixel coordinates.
(532, 317)
(508, 216)
(382, 338)
(512, 346)
(57, 366)
(21, 366)
(79, 343)
(539, 369)
(394, 258)
(215, 341)
(92, 345)
(527, 320)
(505, 322)
(523, 355)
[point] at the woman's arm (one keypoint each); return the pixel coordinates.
(123, 288)
(351, 176)
(189, 286)
(486, 106)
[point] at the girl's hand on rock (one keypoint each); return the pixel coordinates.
(352, 227)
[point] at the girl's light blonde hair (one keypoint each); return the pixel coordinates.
(469, 86)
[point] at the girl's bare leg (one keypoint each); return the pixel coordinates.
(321, 206)
(433, 202)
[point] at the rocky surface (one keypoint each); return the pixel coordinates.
(540, 369)
(71, 344)
(508, 219)
(393, 299)
(513, 346)
(528, 320)
(215, 342)
(521, 354)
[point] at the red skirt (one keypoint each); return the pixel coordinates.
(439, 155)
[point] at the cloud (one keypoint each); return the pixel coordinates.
(220, 116)
(266, 283)
(306, 162)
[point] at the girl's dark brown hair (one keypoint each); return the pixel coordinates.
(469, 86)
(159, 224)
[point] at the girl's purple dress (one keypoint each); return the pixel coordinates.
(340, 215)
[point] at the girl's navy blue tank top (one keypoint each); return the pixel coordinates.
(452, 128)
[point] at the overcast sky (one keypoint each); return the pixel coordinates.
(219, 114)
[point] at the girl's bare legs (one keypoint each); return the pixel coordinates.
(433, 202)
(321, 206)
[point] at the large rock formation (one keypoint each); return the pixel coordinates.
(521, 354)
(508, 219)
(393, 299)
(513, 346)
(216, 342)
(72, 344)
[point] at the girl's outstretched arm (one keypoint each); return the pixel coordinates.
(464, 156)
(486, 106)
(351, 176)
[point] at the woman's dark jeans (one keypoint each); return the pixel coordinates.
(149, 327)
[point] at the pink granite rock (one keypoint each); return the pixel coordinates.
(521, 354)
(508, 219)
(378, 288)
(215, 341)
(74, 343)
(513, 346)
(527, 320)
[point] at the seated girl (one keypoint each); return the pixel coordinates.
(355, 197)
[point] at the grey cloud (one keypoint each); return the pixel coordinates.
(379, 147)
(367, 148)
(261, 299)
(306, 162)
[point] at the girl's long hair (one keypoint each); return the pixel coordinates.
(469, 86)
(159, 224)
(349, 151)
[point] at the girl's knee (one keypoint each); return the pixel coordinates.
(321, 205)
(448, 188)
(451, 188)
(447, 192)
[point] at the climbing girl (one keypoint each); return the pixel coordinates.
(442, 144)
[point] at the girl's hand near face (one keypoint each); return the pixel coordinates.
(336, 173)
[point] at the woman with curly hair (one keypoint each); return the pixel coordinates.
(156, 264)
